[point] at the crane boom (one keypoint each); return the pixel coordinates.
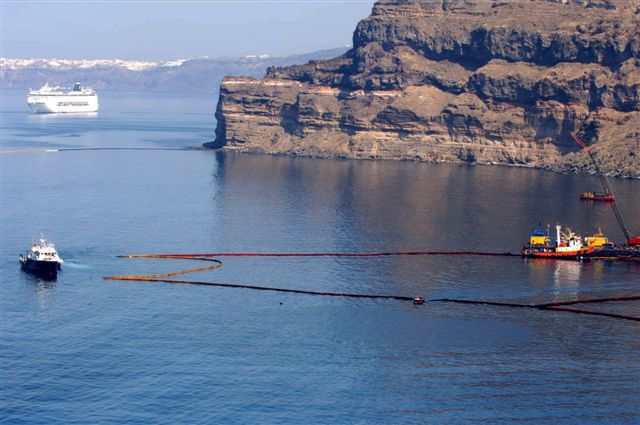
(605, 185)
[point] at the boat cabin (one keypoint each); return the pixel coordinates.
(539, 237)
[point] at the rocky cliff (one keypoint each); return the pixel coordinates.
(477, 81)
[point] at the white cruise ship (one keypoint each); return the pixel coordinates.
(55, 100)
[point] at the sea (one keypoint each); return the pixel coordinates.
(84, 350)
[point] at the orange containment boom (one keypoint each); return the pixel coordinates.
(558, 306)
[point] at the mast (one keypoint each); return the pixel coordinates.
(605, 185)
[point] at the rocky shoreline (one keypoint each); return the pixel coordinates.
(457, 81)
(585, 169)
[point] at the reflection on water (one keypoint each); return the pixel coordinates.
(566, 279)
(36, 277)
(177, 353)
(44, 285)
(599, 269)
(34, 117)
(475, 208)
(44, 288)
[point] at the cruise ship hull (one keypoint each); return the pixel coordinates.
(62, 104)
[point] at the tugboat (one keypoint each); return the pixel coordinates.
(566, 246)
(42, 259)
(598, 196)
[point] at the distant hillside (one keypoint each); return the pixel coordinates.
(200, 75)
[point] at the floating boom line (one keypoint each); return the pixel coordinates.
(564, 306)
(322, 254)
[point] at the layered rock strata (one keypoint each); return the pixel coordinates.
(479, 81)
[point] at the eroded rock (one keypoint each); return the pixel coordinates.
(479, 81)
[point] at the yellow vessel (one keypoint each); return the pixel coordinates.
(598, 239)
(566, 245)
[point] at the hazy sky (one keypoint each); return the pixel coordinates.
(162, 30)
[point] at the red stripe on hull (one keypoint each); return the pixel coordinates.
(566, 254)
(599, 198)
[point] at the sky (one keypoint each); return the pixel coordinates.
(167, 30)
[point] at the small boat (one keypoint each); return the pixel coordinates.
(566, 246)
(42, 259)
(598, 196)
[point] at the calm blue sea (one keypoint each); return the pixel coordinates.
(84, 350)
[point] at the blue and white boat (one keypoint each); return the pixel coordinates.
(42, 259)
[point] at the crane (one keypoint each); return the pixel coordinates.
(631, 240)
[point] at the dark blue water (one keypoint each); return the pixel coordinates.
(84, 350)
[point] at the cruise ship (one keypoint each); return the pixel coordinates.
(54, 100)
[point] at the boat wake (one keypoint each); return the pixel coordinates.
(76, 266)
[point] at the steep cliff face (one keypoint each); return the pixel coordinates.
(481, 81)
